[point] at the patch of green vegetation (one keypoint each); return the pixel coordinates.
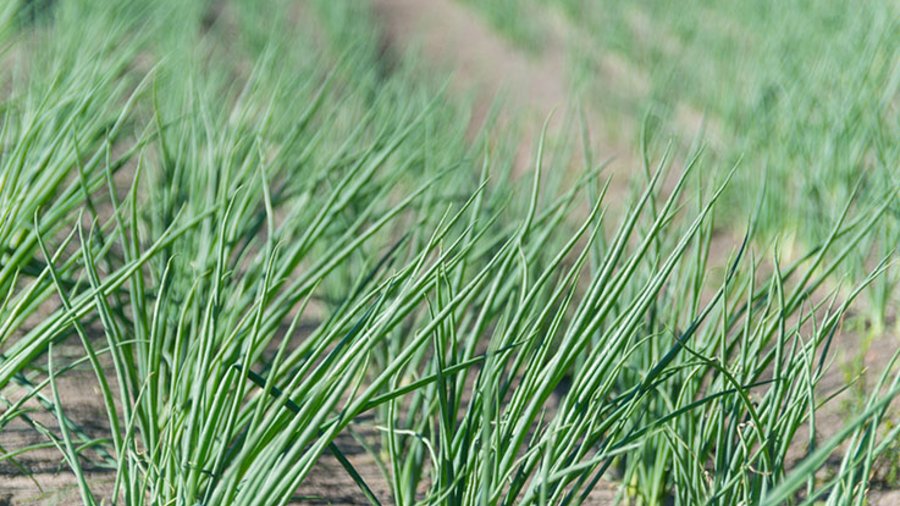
(514, 19)
(889, 464)
(801, 95)
(261, 240)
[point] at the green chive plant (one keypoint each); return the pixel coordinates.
(259, 251)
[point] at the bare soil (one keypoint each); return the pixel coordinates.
(532, 86)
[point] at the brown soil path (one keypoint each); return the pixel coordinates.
(451, 37)
(457, 40)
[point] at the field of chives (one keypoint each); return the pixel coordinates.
(449, 252)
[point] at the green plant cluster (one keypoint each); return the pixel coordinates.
(260, 238)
